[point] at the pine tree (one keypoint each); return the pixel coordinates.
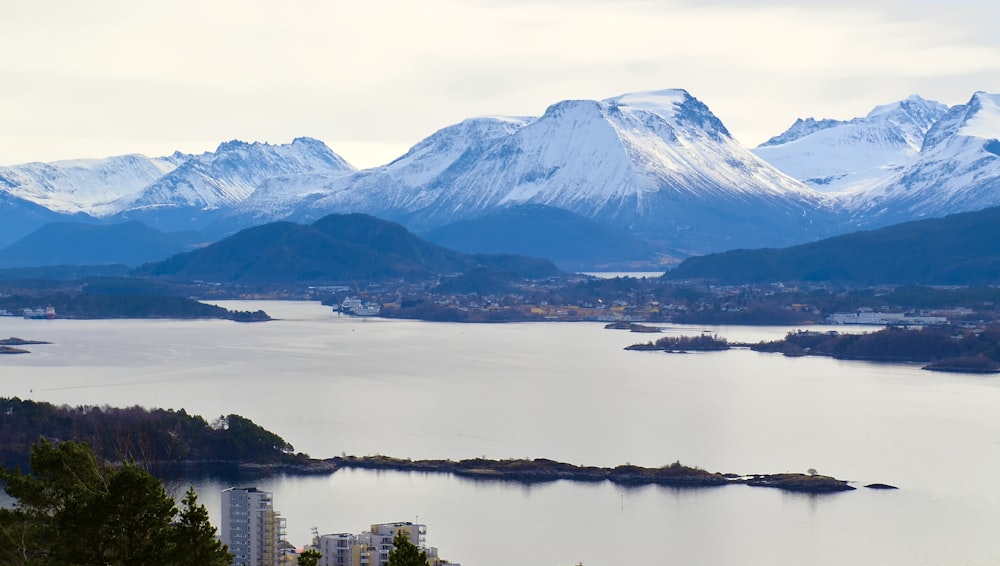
(405, 553)
(193, 541)
(310, 557)
(73, 510)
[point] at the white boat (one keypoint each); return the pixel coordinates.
(357, 307)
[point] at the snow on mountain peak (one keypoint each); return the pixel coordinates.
(650, 161)
(860, 154)
(800, 129)
(978, 118)
(229, 175)
(984, 120)
(913, 105)
(673, 105)
(957, 170)
(663, 103)
(84, 185)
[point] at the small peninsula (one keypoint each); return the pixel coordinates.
(544, 470)
(174, 441)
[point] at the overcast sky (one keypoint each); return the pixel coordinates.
(107, 77)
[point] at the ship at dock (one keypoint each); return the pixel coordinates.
(48, 313)
(357, 307)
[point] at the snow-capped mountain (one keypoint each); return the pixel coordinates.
(387, 190)
(226, 177)
(658, 163)
(656, 166)
(836, 156)
(84, 185)
(176, 192)
(957, 170)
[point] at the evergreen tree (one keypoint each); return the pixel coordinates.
(72, 510)
(193, 536)
(405, 553)
(310, 557)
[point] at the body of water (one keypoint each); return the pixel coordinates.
(566, 391)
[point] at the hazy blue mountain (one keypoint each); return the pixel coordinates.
(19, 217)
(960, 249)
(573, 242)
(73, 243)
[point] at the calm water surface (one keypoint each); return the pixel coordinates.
(566, 391)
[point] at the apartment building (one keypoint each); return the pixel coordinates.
(251, 528)
(372, 547)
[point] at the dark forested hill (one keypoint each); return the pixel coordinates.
(336, 248)
(961, 249)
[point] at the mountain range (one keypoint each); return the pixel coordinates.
(650, 176)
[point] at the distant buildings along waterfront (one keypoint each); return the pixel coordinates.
(255, 534)
(884, 318)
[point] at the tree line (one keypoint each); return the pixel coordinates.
(151, 437)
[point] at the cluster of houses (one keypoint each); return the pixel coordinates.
(255, 535)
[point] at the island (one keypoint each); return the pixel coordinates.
(633, 327)
(13, 350)
(7, 345)
(15, 341)
(942, 349)
(680, 344)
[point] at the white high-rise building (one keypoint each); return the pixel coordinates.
(251, 528)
